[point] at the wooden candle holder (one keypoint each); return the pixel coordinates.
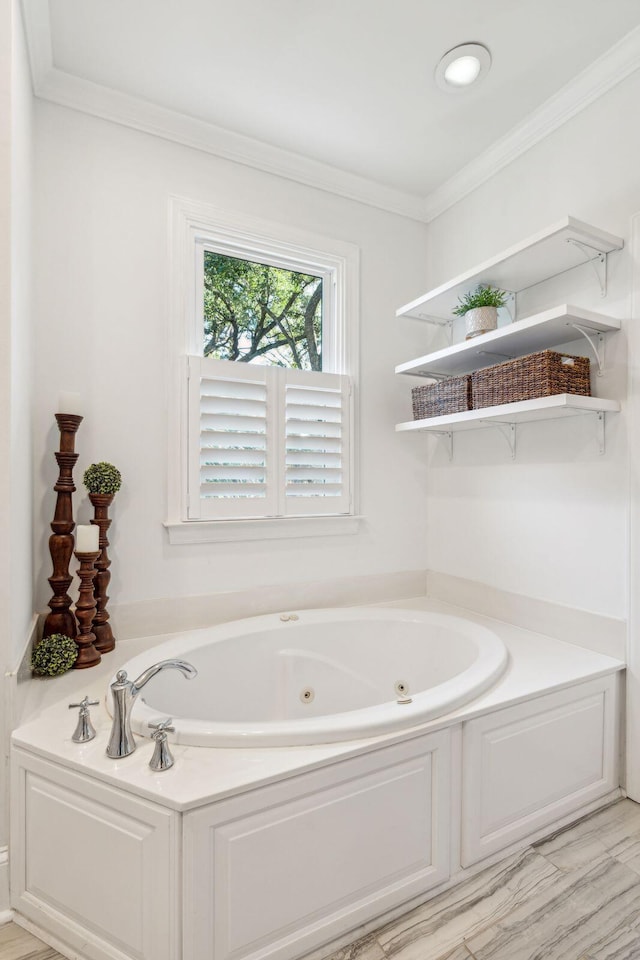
(61, 619)
(105, 640)
(88, 656)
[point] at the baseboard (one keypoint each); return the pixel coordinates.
(71, 953)
(15, 680)
(23, 668)
(594, 631)
(169, 615)
(5, 911)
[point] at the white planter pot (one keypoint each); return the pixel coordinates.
(480, 320)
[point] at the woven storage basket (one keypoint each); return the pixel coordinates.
(526, 378)
(437, 399)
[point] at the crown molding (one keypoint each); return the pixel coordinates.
(88, 97)
(57, 86)
(617, 63)
(50, 83)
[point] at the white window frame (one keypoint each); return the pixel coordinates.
(195, 227)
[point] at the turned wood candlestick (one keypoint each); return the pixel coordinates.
(88, 656)
(61, 619)
(105, 640)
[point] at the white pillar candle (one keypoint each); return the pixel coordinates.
(69, 403)
(87, 538)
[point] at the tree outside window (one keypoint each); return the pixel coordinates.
(256, 313)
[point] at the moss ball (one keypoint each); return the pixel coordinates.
(102, 478)
(54, 655)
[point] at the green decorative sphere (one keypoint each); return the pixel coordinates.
(102, 478)
(54, 655)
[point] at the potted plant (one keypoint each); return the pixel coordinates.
(479, 307)
(54, 655)
(102, 478)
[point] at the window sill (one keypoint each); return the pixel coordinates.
(278, 528)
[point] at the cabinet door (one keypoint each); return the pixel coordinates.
(93, 866)
(286, 868)
(529, 765)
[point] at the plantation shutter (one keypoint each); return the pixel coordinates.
(231, 430)
(266, 441)
(317, 439)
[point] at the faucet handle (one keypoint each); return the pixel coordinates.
(84, 703)
(85, 730)
(161, 726)
(162, 758)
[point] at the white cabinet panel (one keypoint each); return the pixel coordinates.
(534, 763)
(98, 864)
(292, 866)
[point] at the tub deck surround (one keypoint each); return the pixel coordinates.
(551, 900)
(537, 665)
(287, 850)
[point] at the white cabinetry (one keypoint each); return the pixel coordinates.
(562, 247)
(94, 866)
(283, 869)
(288, 867)
(529, 765)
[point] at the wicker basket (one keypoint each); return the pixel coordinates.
(525, 378)
(437, 399)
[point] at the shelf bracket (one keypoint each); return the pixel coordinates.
(492, 353)
(598, 262)
(600, 428)
(439, 322)
(512, 305)
(597, 350)
(448, 436)
(450, 332)
(508, 431)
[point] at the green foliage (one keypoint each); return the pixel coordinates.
(486, 296)
(102, 478)
(257, 312)
(54, 655)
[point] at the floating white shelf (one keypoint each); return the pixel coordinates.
(559, 248)
(538, 332)
(543, 408)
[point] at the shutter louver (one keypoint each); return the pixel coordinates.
(266, 441)
(316, 442)
(230, 410)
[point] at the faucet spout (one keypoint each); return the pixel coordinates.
(185, 668)
(124, 693)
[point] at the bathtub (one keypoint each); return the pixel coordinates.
(317, 676)
(272, 854)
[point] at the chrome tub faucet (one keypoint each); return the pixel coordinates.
(124, 693)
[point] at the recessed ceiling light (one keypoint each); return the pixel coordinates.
(466, 64)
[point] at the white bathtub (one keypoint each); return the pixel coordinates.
(292, 850)
(318, 676)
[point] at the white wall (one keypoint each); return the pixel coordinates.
(101, 328)
(5, 409)
(22, 384)
(16, 602)
(554, 523)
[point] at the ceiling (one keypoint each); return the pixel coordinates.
(348, 83)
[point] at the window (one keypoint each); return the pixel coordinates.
(270, 343)
(260, 313)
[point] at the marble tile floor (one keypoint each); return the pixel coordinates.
(17, 944)
(573, 896)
